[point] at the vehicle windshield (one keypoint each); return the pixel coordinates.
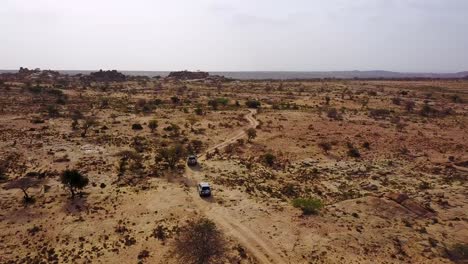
(205, 188)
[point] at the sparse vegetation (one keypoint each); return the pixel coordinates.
(373, 150)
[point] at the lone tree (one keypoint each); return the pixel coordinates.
(251, 133)
(24, 184)
(200, 242)
(88, 123)
(74, 180)
(153, 124)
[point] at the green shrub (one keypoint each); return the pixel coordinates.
(308, 205)
(218, 101)
(379, 113)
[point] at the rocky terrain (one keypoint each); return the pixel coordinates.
(322, 171)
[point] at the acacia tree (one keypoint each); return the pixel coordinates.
(88, 123)
(23, 184)
(73, 180)
(251, 133)
(200, 242)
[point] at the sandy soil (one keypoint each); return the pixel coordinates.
(401, 199)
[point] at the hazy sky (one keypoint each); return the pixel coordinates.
(235, 35)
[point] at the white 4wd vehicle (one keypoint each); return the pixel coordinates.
(204, 189)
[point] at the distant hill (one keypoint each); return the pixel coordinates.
(277, 75)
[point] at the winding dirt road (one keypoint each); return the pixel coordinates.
(259, 247)
(240, 134)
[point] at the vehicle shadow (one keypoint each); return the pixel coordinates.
(197, 168)
(209, 199)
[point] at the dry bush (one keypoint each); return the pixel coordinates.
(379, 113)
(269, 159)
(332, 113)
(7, 164)
(326, 146)
(130, 161)
(409, 106)
(428, 111)
(353, 151)
(396, 100)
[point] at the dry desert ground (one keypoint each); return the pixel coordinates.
(318, 171)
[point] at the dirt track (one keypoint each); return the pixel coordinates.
(239, 134)
(259, 247)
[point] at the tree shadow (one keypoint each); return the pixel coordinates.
(76, 205)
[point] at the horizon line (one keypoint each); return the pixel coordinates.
(240, 71)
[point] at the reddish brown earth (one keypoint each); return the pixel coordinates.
(401, 199)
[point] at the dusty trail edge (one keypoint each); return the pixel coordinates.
(257, 246)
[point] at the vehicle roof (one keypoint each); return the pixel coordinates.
(204, 184)
(192, 157)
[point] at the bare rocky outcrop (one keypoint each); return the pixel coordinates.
(188, 75)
